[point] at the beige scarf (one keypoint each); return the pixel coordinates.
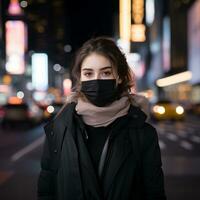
(102, 116)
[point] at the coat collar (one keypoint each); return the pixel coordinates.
(137, 115)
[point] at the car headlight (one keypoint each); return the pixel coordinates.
(179, 110)
(159, 109)
(50, 109)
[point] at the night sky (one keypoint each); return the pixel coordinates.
(80, 20)
(90, 18)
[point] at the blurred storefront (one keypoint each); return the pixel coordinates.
(175, 87)
(185, 51)
(174, 41)
(175, 56)
(194, 49)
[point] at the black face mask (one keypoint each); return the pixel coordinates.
(100, 92)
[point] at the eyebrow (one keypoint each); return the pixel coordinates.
(104, 68)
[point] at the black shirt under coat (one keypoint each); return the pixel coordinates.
(96, 138)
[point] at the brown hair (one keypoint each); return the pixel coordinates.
(105, 47)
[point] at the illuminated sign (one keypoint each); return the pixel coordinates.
(194, 42)
(166, 44)
(15, 47)
(138, 33)
(125, 22)
(138, 11)
(40, 71)
(14, 8)
(138, 29)
(174, 79)
(150, 11)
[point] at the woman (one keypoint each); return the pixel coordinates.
(99, 146)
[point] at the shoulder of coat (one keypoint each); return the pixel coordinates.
(150, 133)
(72, 98)
(69, 103)
(140, 101)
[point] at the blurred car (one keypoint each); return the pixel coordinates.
(35, 112)
(20, 113)
(167, 110)
(50, 111)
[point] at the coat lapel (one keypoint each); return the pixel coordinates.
(55, 131)
(120, 151)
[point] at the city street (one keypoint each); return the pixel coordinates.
(20, 153)
(96, 53)
(180, 145)
(19, 163)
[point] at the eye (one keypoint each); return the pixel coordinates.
(106, 73)
(87, 74)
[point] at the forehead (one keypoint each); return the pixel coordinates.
(95, 61)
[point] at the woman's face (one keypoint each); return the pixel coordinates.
(96, 66)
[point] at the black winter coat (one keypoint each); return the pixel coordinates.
(132, 171)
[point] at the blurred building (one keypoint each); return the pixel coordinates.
(89, 19)
(59, 28)
(133, 38)
(155, 66)
(1, 40)
(167, 59)
(193, 32)
(177, 51)
(46, 22)
(168, 45)
(39, 14)
(179, 57)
